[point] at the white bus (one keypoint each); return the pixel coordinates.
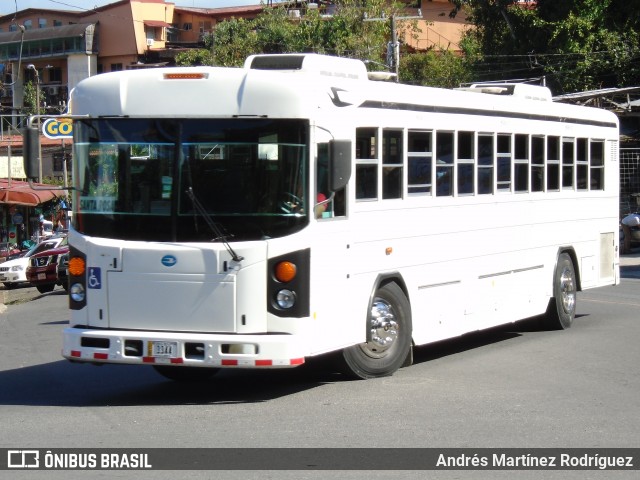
(255, 217)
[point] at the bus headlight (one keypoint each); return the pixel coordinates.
(76, 292)
(285, 298)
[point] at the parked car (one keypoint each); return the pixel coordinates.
(42, 271)
(63, 270)
(14, 272)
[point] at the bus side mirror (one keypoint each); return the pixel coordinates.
(339, 164)
(31, 151)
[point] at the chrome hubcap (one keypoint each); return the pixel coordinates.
(383, 328)
(568, 290)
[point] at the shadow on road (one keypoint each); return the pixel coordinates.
(631, 271)
(65, 384)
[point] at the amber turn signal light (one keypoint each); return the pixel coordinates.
(76, 266)
(285, 271)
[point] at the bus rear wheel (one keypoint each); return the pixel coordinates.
(389, 344)
(186, 374)
(562, 308)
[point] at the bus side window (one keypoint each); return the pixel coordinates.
(444, 164)
(419, 162)
(486, 163)
(568, 162)
(537, 163)
(553, 164)
(392, 163)
(366, 164)
(582, 165)
(504, 162)
(596, 163)
(521, 163)
(466, 163)
(335, 207)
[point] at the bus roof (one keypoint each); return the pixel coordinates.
(298, 86)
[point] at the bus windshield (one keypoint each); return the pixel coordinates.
(141, 179)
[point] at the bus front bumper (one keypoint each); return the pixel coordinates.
(178, 348)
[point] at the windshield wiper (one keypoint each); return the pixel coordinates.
(219, 235)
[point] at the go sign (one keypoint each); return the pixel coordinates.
(57, 128)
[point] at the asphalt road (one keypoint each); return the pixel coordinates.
(514, 386)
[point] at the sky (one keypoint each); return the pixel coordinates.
(10, 6)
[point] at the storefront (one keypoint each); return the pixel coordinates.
(23, 209)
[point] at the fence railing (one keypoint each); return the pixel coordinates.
(629, 180)
(11, 124)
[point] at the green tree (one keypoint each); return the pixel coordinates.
(199, 56)
(232, 42)
(345, 33)
(434, 68)
(30, 106)
(574, 44)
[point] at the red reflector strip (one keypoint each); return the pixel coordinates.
(153, 360)
(76, 353)
(101, 356)
(227, 362)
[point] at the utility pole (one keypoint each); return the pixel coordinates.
(31, 66)
(393, 47)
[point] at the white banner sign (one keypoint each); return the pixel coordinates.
(17, 167)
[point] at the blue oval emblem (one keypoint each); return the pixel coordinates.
(169, 260)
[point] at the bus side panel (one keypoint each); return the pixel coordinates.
(339, 299)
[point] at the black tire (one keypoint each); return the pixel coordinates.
(186, 374)
(10, 285)
(562, 307)
(46, 288)
(390, 315)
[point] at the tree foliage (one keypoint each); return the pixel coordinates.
(200, 56)
(344, 33)
(575, 44)
(30, 95)
(435, 68)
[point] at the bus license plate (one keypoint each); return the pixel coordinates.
(163, 349)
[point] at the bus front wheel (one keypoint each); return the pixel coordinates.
(389, 344)
(562, 308)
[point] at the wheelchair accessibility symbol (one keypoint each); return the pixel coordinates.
(95, 278)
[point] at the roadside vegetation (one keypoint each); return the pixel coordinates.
(570, 46)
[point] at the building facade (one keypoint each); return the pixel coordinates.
(55, 49)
